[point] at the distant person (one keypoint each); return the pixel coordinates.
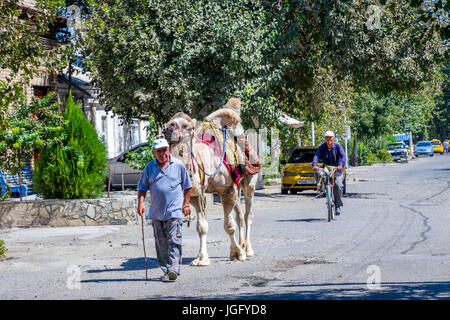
(445, 146)
(169, 184)
(331, 153)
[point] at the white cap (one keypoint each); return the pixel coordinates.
(329, 134)
(160, 143)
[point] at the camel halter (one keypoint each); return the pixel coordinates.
(224, 132)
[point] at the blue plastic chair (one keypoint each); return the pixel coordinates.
(11, 182)
(2, 183)
(27, 179)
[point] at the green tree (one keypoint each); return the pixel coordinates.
(22, 53)
(76, 167)
(377, 115)
(160, 57)
(439, 126)
(32, 127)
(339, 40)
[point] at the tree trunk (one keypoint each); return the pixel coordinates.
(355, 150)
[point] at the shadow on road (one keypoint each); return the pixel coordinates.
(362, 195)
(130, 265)
(274, 195)
(351, 291)
(302, 220)
(134, 264)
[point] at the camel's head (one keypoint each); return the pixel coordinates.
(180, 123)
(228, 116)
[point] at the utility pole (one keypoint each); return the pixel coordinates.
(312, 133)
(347, 136)
(411, 154)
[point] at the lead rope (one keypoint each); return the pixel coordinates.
(224, 131)
(193, 168)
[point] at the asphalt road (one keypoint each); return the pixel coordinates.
(392, 241)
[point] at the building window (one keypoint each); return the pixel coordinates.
(104, 125)
(40, 92)
(132, 135)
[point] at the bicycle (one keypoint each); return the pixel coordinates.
(326, 185)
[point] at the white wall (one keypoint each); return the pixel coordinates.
(119, 138)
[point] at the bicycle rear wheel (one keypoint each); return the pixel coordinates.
(329, 202)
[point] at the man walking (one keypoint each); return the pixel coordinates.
(169, 184)
(331, 154)
(445, 146)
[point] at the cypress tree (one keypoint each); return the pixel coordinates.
(77, 167)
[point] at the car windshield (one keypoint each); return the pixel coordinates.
(423, 144)
(393, 146)
(302, 156)
(435, 143)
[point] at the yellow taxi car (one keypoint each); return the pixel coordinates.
(437, 146)
(298, 174)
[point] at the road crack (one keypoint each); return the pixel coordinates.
(440, 192)
(422, 234)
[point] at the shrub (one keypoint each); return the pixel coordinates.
(370, 159)
(76, 167)
(384, 156)
(363, 153)
(3, 249)
(139, 159)
(374, 151)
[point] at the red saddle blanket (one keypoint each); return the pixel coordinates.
(252, 164)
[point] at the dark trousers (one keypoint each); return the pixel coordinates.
(338, 188)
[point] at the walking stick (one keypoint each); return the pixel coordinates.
(143, 242)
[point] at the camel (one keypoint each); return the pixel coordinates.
(210, 175)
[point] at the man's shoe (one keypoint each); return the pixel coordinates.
(172, 275)
(338, 211)
(164, 278)
(320, 195)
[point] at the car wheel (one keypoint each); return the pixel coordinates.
(293, 191)
(284, 191)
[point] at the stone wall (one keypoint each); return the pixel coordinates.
(62, 213)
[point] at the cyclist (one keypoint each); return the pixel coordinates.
(332, 154)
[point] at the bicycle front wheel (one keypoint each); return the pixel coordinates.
(329, 202)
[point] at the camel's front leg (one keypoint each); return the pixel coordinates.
(236, 252)
(249, 193)
(202, 229)
(240, 223)
(248, 221)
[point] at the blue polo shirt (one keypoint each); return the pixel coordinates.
(166, 188)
